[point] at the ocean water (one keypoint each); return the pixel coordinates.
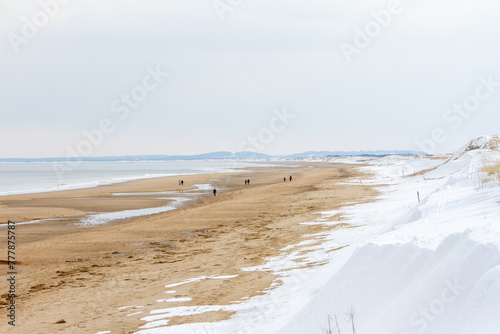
(30, 177)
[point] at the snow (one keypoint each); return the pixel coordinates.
(196, 279)
(155, 324)
(172, 300)
(407, 267)
(104, 218)
(135, 313)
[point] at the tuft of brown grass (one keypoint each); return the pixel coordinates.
(493, 170)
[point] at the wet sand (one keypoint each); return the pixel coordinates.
(74, 279)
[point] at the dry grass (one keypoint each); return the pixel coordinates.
(493, 170)
(351, 314)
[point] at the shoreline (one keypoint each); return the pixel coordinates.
(106, 181)
(173, 190)
(89, 275)
(147, 193)
(175, 201)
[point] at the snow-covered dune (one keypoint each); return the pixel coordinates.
(404, 288)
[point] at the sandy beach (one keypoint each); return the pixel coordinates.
(85, 279)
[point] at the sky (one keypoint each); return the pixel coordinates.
(126, 77)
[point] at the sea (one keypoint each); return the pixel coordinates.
(34, 177)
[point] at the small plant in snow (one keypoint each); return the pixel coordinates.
(336, 330)
(351, 314)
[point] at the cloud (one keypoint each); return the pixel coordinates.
(226, 76)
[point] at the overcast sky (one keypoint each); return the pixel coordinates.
(277, 77)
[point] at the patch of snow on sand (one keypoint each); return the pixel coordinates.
(104, 218)
(173, 300)
(199, 279)
(154, 324)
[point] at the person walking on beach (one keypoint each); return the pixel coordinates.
(284, 179)
(215, 192)
(290, 178)
(182, 182)
(246, 182)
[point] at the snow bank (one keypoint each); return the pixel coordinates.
(403, 288)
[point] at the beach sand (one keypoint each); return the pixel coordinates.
(74, 279)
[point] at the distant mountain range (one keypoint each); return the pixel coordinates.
(220, 156)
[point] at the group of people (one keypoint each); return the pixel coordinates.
(181, 182)
(247, 183)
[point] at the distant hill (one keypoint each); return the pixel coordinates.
(319, 154)
(222, 155)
